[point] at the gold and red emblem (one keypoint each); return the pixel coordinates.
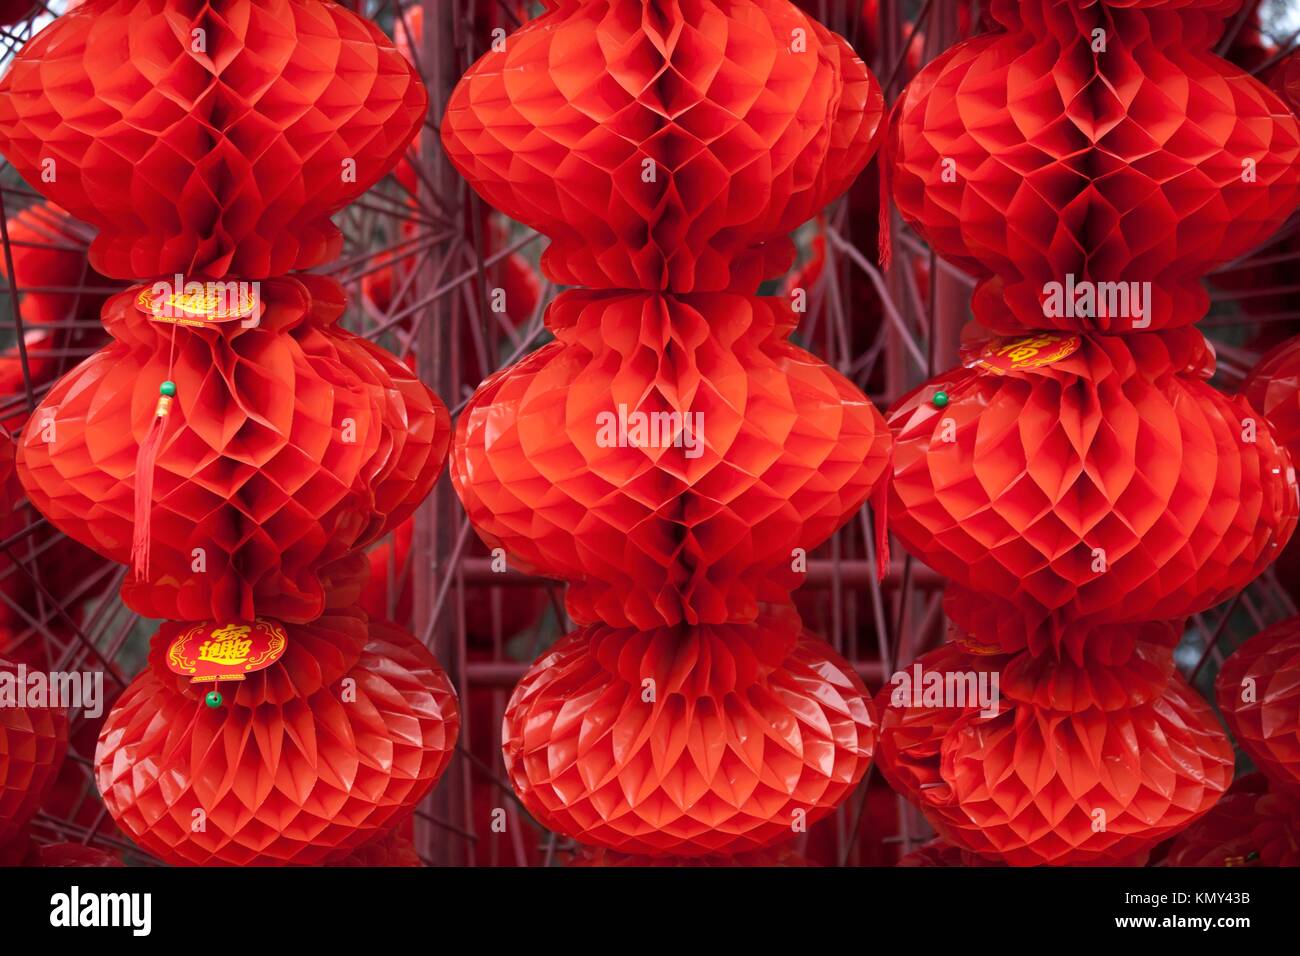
(199, 303)
(216, 652)
(1013, 353)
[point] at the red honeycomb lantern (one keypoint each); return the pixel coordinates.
(192, 159)
(671, 454)
(1069, 482)
(701, 527)
(1249, 827)
(262, 491)
(33, 740)
(1027, 156)
(1273, 389)
(1259, 694)
(700, 741)
(232, 443)
(295, 768)
(1123, 742)
(668, 149)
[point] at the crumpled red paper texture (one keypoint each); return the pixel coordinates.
(1024, 156)
(1251, 826)
(1029, 785)
(297, 766)
(33, 740)
(750, 730)
(748, 137)
(1258, 690)
(290, 444)
(786, 450)
(224, 160)
(1110, 486)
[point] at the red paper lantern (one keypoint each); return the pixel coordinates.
(241, 455)
(1259, 694)
(669, 149)
(1273, 389)
(33, 739)
(671, 456)
(1249, 827)
(306, 761)
(260, 491)
(1093, 480)
(1127, 745)
(687, 741)
(770, 449)
(1103, 142)
(192, 159)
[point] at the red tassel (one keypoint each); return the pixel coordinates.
(144, 472)
(884, 237)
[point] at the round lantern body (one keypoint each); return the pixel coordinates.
(1258, 690)
(289, 444)
(33, 740)
(1025, 782)
(301, 763)
(665, 456)
(687, 742)
(1056, 172)
(1251, 826)
(1273, 389)
(665, 150)
(225, 158)
(1070, 483)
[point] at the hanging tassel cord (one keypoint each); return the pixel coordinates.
(146, 466)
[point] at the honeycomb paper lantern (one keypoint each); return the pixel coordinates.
(1259, 694)
(288, 770)
(239, 455)
(671, 454)
(268, 490)
(1026, 785)
(1025, 156)
(1273, 389)
(752, 729)
(1104, 486)
(206, 162)
(775, 450)
(33, 740)
(1251, 826)
(670, 147)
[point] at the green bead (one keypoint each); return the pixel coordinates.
(940, 399)
(213, 699)
(167, 388)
